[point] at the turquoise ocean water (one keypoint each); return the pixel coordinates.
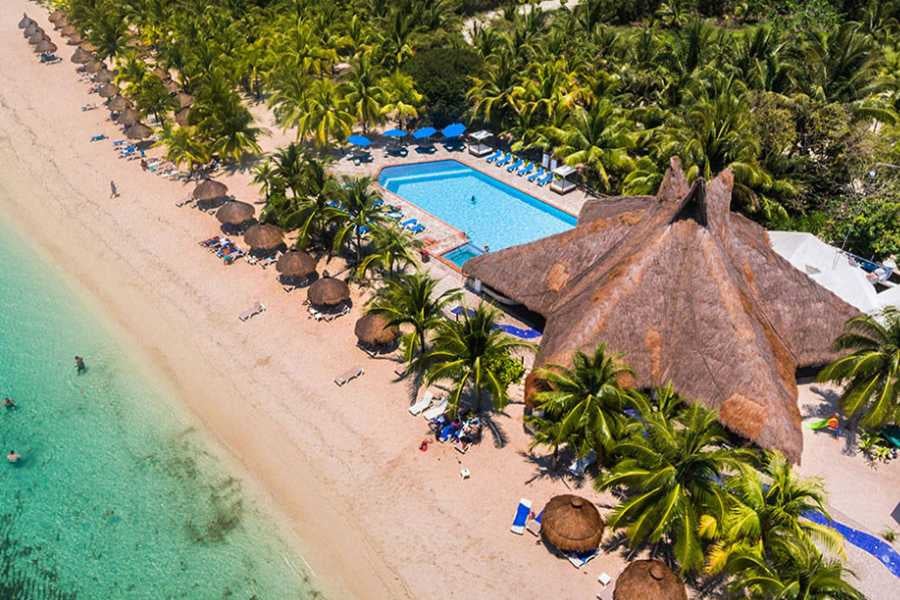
(117, 494)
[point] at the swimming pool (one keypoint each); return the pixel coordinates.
(490, 212)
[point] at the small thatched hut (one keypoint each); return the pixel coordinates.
(75, 39)
(104, 76)
(183, 116)
(296, 265)
(328, 292)
(688, 292)
(116, 103)
(25, 21)
(264, 237)
(108, 90)
(210, 192)
(375, 331)
(46, 46)
(68, 30)
(81, 57)
(30, 30)
(93, 67)
(649, 580)
(37, 37)
(138, 131)
(56, 16)
(235, 213)
(571, 524)
(184, 100)
(128, 116)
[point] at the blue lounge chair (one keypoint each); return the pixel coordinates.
(379, 202)
(409, 223)
(98, 137)
(545, 179)
(522, 512)
(417, 229)
(497, 154)
(537, 174)
(515, 165)
(526, 170)
(580, 559)
(504, 160)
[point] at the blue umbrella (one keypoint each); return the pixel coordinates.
(395, 133)
(359, 140)
(454, 130)
(425, 132)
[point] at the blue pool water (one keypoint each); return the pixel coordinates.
(490, 212)
(117, 495)
(458, 256)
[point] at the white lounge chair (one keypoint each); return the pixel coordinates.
(420, 405)
(436, 410)
(580, 465)
(521, 517)
(251, 312)
(345, 378)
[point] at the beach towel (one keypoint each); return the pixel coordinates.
(819, 425)
(522, 512)
(580, 559)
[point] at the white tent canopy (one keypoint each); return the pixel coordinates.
(832, 269)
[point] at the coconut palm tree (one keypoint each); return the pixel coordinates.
(764, 509)
(357, 214)
(325, 115)
(313, 199)
(583, 407)
(670, 471)
(870, 373)
(362, 93)
(401, 99)
(467, 351)
(793, 569)
(412, 299)
(392, 249)
(184, 146)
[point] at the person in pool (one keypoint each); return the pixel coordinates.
(13, 457)
(8, 403)
(472, 200)
(80, 367)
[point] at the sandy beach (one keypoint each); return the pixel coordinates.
(372, 515)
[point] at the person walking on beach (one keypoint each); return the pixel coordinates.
(80, 367)
(113, 190)
(144, 165)
(12, 457)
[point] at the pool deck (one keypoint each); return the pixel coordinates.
(439, 236)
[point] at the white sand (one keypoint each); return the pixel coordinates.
(376, 518)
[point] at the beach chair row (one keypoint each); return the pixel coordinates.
(224, 248)
(523, 168)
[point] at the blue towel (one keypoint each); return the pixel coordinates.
(525, 334)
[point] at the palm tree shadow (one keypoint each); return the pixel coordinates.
(498, 434)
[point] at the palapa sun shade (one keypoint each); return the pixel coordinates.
(128, 116)
(31, 29)
(46, 46)
(25, 21)
(92, 67)
(183, 116)
(138, 131)
(108, 90)
(61, 23)
(235, 213)
(296, 264)
(88, 47)
(264, 236)
(68, 30)
(37, 37)
(686, 291)
(374, 329)
(649, 580)
(80, 56)
(571, 524)
(105, 76)
(184, 100)
(56, 16)
(116, 103)
(75, 39)
(209, 190)
(328, 292)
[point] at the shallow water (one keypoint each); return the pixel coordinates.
(117, 494)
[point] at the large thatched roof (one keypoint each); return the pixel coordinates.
(649, 580)
(572, 524)
(688, 292)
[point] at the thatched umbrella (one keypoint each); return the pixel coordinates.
(183, 116)
(46, 46)
(128, 117)
(56, 15)
(184, 100)
(93, 67)
(116, 103)
(108, 90)
(162, 73)
(264, 237)
(104, 76)
(235, 213)
(37, 37)
(60, 23)
(31, 29)
(137, 131)
(572, 524)
(172, 86)
(81, 57)
(649, 580)
(328, 292)
(75, 39)
(296, 265)
(68, 30)
(25, 21)
(375, 329)
(88, 47)
(210, 191)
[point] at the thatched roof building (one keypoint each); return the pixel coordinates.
(571, 524)
(375, 329)
(688, 292)
(649, 580)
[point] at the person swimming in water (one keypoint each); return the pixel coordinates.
(8, 403)
(80, 367)
(13, 457)
(473, 201)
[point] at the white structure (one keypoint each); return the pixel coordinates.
(480, 146)
(833, 270)
(561, 182)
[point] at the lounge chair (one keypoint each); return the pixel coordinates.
(436, 410)
(348, 376)
(515, 165)
(580, 465)
(522, 512)
(99, 137)
(528, 168)
(251, 312)
(417, 229)
(408, 223)
(420, 405)
(580, 559)
(545, 179)
(497, 154)
(505, 160)
(537, 174)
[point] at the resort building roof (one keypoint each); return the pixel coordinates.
(688, 292)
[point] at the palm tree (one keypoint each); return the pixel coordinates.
(184, 146)
(468, 351)
(392, 249)
(763, 510)
(362, 93)
(314, 192)
(871, 372)
(583, 407)
(793, 570)
(412, 299)
(600, 138)
(402, 100)
(670, 470)
(358, 212)
(324, 115)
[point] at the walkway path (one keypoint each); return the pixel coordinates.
(487, 17)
